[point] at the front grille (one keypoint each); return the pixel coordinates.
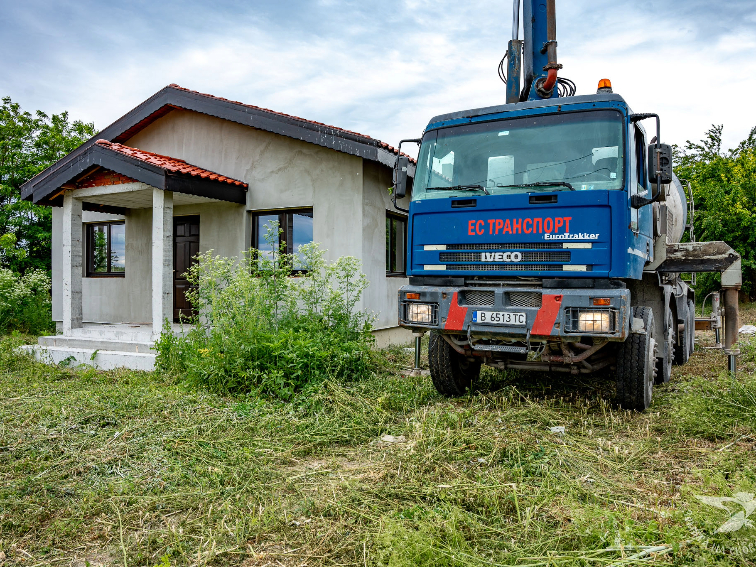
(524, 299)
(507, 267)
(508, 246)
(526, 257)
(477, 297)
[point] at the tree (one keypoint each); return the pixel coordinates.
(28, 144)
(724, 188)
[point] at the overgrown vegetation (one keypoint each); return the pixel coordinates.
(259, 329)
(724, 187)
(25, 302)
(136, 469)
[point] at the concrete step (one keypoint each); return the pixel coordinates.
(101, 359)
(92, 343)
(115, 333)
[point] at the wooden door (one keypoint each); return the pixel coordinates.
(185, 249)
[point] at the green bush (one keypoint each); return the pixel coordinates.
(25, 302)
(264, 327)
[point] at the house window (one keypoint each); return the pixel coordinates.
(396, 244)
(295, 230)
(106, 249)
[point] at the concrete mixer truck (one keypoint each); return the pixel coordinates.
(545, 234)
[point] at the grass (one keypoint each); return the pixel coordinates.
(134, 469)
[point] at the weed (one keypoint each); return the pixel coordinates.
(260, 329)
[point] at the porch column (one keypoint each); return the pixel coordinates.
(162, 258)
(72, 268)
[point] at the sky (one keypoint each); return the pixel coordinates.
(379, 68)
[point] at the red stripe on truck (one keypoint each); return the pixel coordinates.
(455, 319)
(547, 314)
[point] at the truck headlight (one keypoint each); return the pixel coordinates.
(423, 313)
(594, 322)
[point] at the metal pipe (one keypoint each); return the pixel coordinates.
(514, 70)
(731, 317)
(417, 352)
(545, 87)
(516, 21)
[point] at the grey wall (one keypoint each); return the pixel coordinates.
(381, 296)
(128, 299)
(281, 172)
(348, 195)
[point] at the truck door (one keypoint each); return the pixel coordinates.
(639, 218)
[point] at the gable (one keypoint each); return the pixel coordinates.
(173, 97)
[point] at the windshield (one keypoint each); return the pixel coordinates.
(570, 151)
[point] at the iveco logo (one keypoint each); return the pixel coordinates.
(501, 257)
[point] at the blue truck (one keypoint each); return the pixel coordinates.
(544, 234)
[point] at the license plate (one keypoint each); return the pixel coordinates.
(499, 317)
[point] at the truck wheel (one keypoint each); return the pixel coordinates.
(682, 348)
(664, 362)
(636, 364)
(691, 325)
(451, 372)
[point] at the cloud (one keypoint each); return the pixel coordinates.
(383, 69)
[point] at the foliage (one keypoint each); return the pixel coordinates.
(724, 188)
(28, 144)
(260, 328)
(25, 302)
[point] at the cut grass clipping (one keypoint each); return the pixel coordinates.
(136, 469)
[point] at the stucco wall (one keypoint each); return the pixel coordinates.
(381, 296)
(282, 172)
(348, 195)
(128, 299)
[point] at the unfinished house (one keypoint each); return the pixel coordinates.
(186, 172)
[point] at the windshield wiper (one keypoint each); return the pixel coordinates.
(542, 184)
(459, 188)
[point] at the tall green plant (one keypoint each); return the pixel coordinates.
(724, 187)
(262, 326)
(25, 302)
(28, 144)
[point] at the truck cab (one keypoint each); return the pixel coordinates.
(525, 244)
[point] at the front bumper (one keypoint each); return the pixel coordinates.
(568, 313)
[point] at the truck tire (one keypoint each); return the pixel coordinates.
(636, 364)
(452, 373)
(682, 348)
(664, 362)
(692, 325)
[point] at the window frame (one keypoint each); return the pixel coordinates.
(89, 234)
(285, 223)
(390, 215)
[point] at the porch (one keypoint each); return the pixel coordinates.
(128, 227)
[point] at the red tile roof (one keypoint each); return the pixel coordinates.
(168, 163)
(374, 141)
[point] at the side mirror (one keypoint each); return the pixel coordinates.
(400, 176)
(661, 163)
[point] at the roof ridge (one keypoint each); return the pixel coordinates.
(299, 118)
